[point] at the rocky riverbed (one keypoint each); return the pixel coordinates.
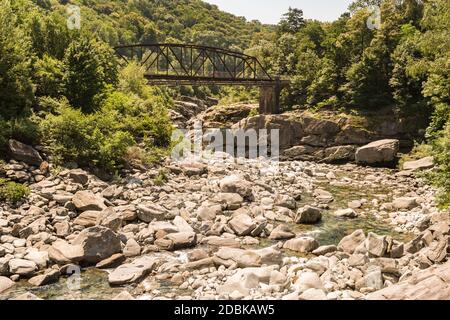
(221, 230)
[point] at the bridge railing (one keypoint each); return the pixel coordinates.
(191, 63)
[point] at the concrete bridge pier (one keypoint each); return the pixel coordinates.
(269, 99)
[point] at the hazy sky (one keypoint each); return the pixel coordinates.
(270, 11)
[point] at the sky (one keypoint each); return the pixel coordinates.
(270, 11)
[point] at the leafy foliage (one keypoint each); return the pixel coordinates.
(12, 192)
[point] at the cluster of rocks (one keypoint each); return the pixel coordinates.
(204, 231)
(308, 138)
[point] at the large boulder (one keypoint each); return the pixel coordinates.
(405, 203)
(422, 164)
(430, 284)
(246, 279)
(177, 241)
(242, 224)
(376, 245)
(351, 242)
(281, 232)
(98, 243)
(236, 184)
(132, 272)
(25, 153)
(378, 152)
(62, 252)
(22, 267)
(147, 212)
(308, 215)
(302, 244)
(5, 284)
(86, 200)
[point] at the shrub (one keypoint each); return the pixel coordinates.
(89, 140)
(12, 192)
(22, 129)
(89, 67)
(161, 178)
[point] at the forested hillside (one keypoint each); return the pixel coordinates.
(398, 57)
(63, 89)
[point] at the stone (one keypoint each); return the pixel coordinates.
(86, 200)
(351, 242)
(22, 267)
(231, 201)
(5, 284)
(112, 262)
(197, 254)
(25, 153)
(62, 252)
(281, 232)
(378, 152)
(132, 272)
(41, 258)
(242, 258)
(123, 296)
(357, 260)
(132, 248)
(48, 277)
(88, 218)
(284, 200)
(27, 296)
(193, 169)
(308, 215)
(376, 245)
(323, 250)
(209, 213)
(437, 251)
(404, 203)
(302, 244)
(308, 280)
(242, 224)
(430, 284)
(236, 184)
(182, 225)
(79, 176)
(387, 265)
(345, 213)
(313, 294)
(354, 204)
(177, 241)
(62, 228)
(373, 279)
(109, 218)
(244, 280)
(98, 243)
(418, 165)
(148, 212)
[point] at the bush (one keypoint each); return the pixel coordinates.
(12, 192)
(161, 178)
(21, 129)
(103, 139)
(89, 67)
(89, 140)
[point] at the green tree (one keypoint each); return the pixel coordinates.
(16, 91)
(292, 21)
(89, 67)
